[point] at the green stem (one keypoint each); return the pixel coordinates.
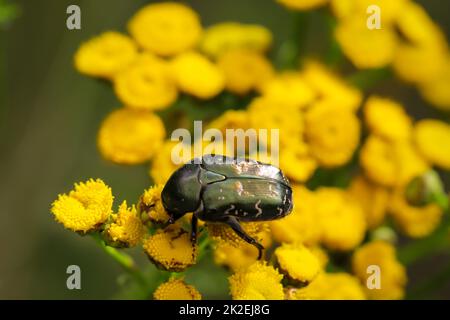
(124, 260)
(366, 79)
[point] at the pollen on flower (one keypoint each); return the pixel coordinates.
(223, 233)
(258, 281)
(150, 206)
(85, 208)
(297, 262)
(126, 228)
(171, 249)
(176, 289)
(105, 55)
(129, 136)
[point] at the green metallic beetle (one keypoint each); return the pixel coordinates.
(222, 189)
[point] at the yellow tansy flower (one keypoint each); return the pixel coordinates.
(364, 47)
(290, 88)
(171, 249)
(415, 222)
(162, 165)
(387, 118)
(166, 28)
(126, 228)
(150, 206)
(297, 262)
(373, 199)
(222, 233)
(436, 91)
(146, 84)
(130, 136)
(332, 133)
(176, 289)
(341, 219)
(196, 75)
(392, 273)
(432, 138)
(257, 282)
(296, 161)
(105, 55)
(85, 208)
(330, 87)
(302, 4)
(221, 37)
(331, 286)
(301, 225)
(244, 70)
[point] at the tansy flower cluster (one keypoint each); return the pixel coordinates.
(363, 171)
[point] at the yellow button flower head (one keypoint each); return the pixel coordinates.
(176, 289)
(146, 84)
(222, 233)
(257, 282)
(302, 4)
(436, 90)
(126, 229)
(297, 262)
(391, 164)
(372, 198)
(85, 208)
(387, 118)
(289, 88)
(244, 70)
(221, 37)
(166, 29)
(331, 286)
(432, 138)
(130, 136)
(162, 165)
(393, 274)
(236, 258)
(415, 222)
(296, 161)
(330, 87)
(364, 47)
(301, 225)
(105, 55)
(341, 219)
(196, 75)
(332, 133)
(150, 206)
(171, 249)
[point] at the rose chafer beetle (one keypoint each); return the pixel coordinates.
(228, 190)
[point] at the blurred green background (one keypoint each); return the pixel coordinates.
(49, 116)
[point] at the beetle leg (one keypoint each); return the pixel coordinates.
(194, 223)
(234, 224)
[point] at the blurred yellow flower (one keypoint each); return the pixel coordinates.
(332, 133)
(331, 286)
(85, 208)
(288, 87)
(296, 161)
(105, 55)
(244, 70)
(302, 224)
(146, 84)
(130, 136)
(126, 228)
(302, 4)
(364, 47)
(341, 219)
(171, 249)
(166, 29)
(221, 37)
(432, 138)
(150, 206)
(330, 87)
(176, 289)
(162, 165)
(196, 75)
(387, 118)
(259, 281)
(392, 274)
(415, 222)
(373, 199)
(297, 262)
(435, 91)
